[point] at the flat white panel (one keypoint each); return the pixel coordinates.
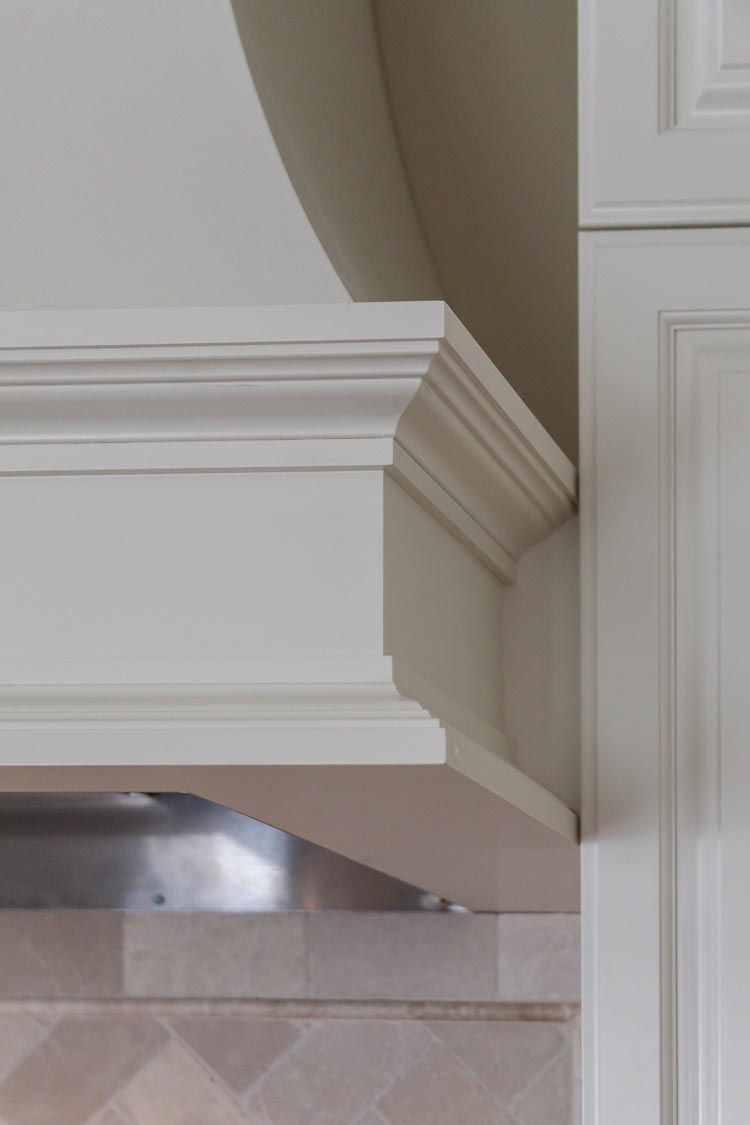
(205, 564)
(708, 64)
(734, 732)
(542, 664)
(697, 749)
(735, 33)
(712, 723)
(664, 112)
(620, 834)
(443, 610)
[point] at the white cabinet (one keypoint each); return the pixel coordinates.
(665, 475)
(666, 526)
(664, 112)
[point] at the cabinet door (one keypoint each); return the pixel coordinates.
(664, 112)
(666, 585)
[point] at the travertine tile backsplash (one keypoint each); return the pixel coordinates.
(403, 956)
(295, 1019)
(260, 955)
(60, 953)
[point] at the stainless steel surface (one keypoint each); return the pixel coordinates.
(169, 851)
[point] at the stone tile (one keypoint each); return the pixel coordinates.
(336, 1071)
(108, 1116)
(217, 955)
(76, 1069)
(549, 1097)
(439, 1091)
(239, 1050)
(174, 1089)
(402, 956)
(60, 953)
(18, 1036)
(539, 957)
(504, 1057)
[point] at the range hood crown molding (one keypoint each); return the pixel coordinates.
(263, 555)
(400, 386)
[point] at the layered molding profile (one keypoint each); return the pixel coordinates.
(672, 150)
(265, 551)
(706, 64)
(400, 386)
(332, 709)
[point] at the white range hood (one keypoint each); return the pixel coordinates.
(279, 557)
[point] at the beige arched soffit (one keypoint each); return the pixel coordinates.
(433, 146)
(317, 71)
(484, 97)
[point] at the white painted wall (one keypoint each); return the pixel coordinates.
(137, 166)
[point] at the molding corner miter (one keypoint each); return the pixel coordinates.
(400, 386)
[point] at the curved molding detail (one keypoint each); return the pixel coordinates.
(399, 386)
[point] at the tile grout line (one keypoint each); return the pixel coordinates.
(498, 958)
(110, 1106)
(175, 1035)
(306, 948)
(124, 958)
(239, 1098)
(121, 924)
(257, 1083)
(535, 1078)
(400, 1072)
(111, 1103)
(465, 1067)
(45, 1034)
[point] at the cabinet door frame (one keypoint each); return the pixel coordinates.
(664, 113)
(654, 305)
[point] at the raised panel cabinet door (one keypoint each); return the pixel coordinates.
(664, 108)
(666, 547)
